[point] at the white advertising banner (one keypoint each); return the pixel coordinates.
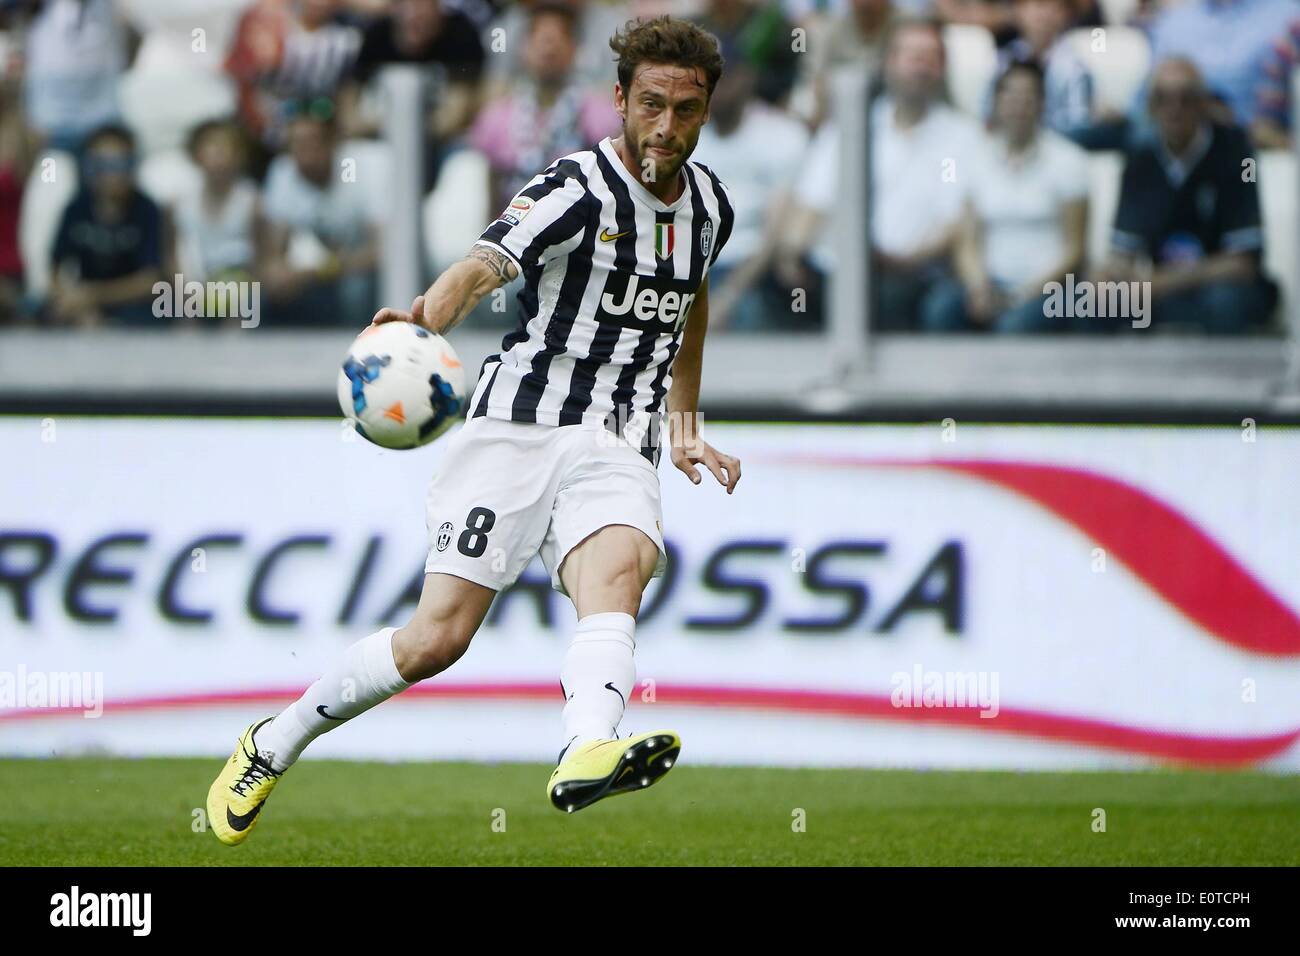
(921, 596)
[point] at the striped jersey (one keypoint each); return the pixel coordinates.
(610, 274)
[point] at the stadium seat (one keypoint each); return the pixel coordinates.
(1119, 59)
(163, 123)
(373, 160)
(1279, 191)
(168, 175)
(972, 62)
(1118, 12)
(44, 200)
(456, 210)
(1104, 173)
(182, 51)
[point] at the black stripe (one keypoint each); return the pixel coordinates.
(658, 388)
(699, 216)
(607, 334)
(567, 305)
(726, 215)
(565, 227)
(480, 410)
(624, 395)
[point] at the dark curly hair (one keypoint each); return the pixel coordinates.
(666, 40)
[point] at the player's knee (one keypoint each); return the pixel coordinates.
(427, 647)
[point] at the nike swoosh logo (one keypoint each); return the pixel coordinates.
(320, 709)
(606, 236)
(610, 686)
(241, 823)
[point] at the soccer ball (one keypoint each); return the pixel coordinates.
(401, 385)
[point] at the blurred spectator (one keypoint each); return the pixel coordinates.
(1026, 216)
(286, 51)
(324, 242)
(111, 246)
(756, 149)
(918, 184)
(996, 16)
(593, 64)
(1188, 207)
(852, 36)
(545, 114)
(76, 53)
(17, 149)
(755, 32)
(1274, 108)
(219, 227)
(427, 33)
(1228, 41)
(1067, 107)
(1001, 19)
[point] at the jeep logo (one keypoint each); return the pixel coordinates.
(661, 302)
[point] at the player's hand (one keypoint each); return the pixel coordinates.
(416, 314)
(725, 468)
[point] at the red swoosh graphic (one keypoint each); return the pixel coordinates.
(1162, 546)
(1192, 749)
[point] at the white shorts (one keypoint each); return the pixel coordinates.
(508, 490)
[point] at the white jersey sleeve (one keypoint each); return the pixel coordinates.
(546, 218)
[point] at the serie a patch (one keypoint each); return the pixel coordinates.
(519, 207)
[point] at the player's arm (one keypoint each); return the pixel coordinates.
(688, 448)
(456, 292)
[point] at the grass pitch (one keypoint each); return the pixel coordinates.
(106, 812)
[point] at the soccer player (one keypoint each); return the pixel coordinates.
(560, 448)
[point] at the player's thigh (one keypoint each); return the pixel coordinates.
(609, 569)
(489, 507)
(605, 540)
(449, 614)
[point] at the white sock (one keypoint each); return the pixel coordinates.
(366, 676)
(597, 677)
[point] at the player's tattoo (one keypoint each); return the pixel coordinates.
(499, 263)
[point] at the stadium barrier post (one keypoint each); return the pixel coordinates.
(1293, 307)
(400, 276)
(849, 226)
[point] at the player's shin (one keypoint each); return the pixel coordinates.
(367, 675)
(597, 677)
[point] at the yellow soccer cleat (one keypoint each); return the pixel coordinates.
(603, 768)
(235, 798)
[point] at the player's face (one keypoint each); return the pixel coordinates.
(663, 113)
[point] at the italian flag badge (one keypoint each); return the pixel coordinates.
(663, 239)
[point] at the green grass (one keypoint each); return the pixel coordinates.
(81, 812)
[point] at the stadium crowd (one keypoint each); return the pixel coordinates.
(241, 140)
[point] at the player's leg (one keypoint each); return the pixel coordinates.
(368, 673)
(488, 509)
(381, 665)
(603, 546)
(605, 576)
